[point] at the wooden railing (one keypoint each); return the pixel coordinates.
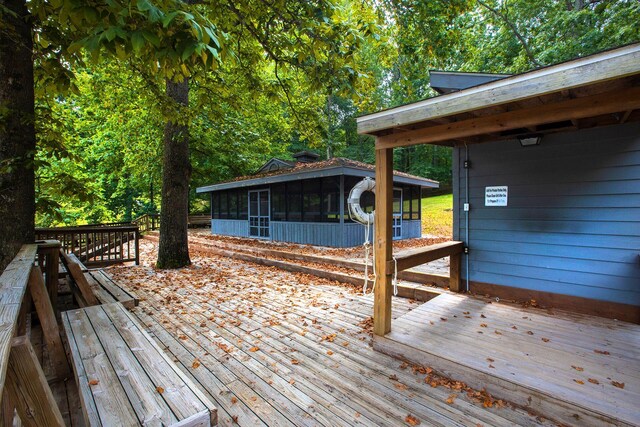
(151, 222)
(23, 384)
(96, 245)
(147, 222)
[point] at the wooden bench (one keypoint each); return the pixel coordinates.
(199, 221)
(23, 384)
(123, 376)
(92, 287)
(107, 290)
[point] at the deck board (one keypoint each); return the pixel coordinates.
(245, 325)
(552, 356)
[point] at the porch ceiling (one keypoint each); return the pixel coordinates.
(598, 90)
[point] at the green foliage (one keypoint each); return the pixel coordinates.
(266, 79)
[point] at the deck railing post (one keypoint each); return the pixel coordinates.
(49, 260)
(454, 272)
(383, 241)
(137, 246)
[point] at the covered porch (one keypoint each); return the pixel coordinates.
(577, 369)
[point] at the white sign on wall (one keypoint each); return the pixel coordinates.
(496, 196)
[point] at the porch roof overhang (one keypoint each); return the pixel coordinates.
(316, 173)
(596, 90)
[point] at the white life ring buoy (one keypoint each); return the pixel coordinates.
(355, 210)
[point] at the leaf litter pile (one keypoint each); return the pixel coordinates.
(257, 338)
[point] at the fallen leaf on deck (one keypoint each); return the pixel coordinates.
(400, 386)
(577, 368)
(593, 381)
(483, 325)
(411, 420)
(490, 360)
(393, 377)
(234, 400)
(195, 364)
(451, 399)
(234, 418)
(606, 353)
(159, 389)
(330, 353)
(254, 349)
(530, 332)
(295, 362)
(497, 332)
(483, 316)
(514, 327)
(93, 382)
(546, 339)
(579, 381)
(617, 384)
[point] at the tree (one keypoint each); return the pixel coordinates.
(166, 39)
(173, 249)
(17, 132)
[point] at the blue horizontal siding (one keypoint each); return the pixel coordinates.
(230, 227)
(559, 287)
(572, 224)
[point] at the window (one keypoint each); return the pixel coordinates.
(311, 200)
(331, 199)
(243, 204)
(294, 201)
(406, 203)
(233, 204)
(416, 195)
(224, 205)
(215, 205)
(279, 202)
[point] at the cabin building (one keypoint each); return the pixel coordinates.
(306, 202)
(546, 168)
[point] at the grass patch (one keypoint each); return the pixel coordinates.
(437, 215)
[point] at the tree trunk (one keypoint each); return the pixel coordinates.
(173, 251)
(17, 131)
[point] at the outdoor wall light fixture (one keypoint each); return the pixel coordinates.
(530, 140)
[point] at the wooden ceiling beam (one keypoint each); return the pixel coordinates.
(571, 109)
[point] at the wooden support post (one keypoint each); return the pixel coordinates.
(455, 261)
(49, 251)
(383, 241)
(53, 261)
(28, 388)
(49, 323)
(8, 410)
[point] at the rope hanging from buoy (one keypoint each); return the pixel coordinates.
(356, 213)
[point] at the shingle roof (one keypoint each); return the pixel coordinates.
(299, 168)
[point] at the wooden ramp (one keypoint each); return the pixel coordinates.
(576, 369)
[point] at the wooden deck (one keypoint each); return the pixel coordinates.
(270, 347)
(576, 369)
